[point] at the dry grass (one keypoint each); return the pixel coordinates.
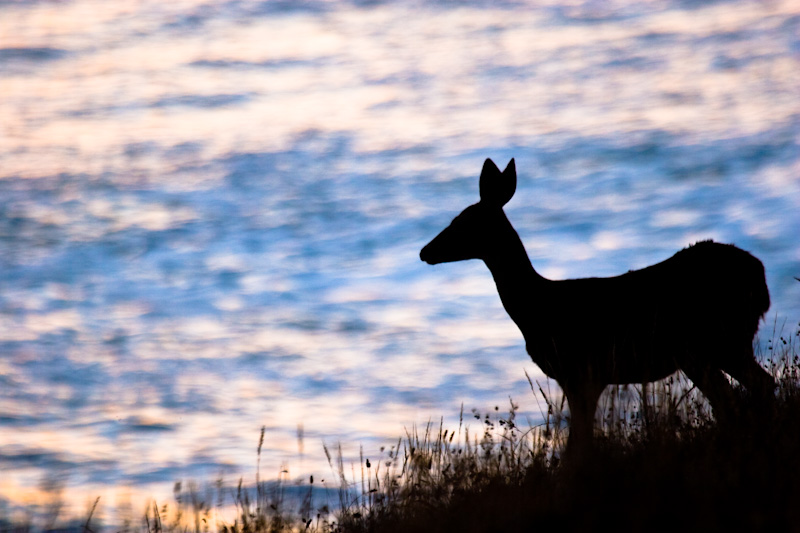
(660, 462)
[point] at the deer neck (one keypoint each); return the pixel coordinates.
(519, 285)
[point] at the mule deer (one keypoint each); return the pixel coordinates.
(697, 311)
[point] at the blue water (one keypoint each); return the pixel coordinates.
(211, 212)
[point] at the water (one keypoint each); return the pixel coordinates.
(211, 212)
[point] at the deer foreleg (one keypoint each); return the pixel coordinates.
(582, 407)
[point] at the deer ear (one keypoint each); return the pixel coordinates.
(497, 187)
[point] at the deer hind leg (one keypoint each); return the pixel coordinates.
(746, 370)
(713, 384)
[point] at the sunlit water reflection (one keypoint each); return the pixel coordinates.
(211, 213)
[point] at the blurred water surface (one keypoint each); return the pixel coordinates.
(211, 211)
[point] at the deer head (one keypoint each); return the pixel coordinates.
(472, 234)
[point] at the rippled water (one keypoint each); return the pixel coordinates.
(211, 212)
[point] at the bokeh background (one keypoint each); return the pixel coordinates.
(211, 211)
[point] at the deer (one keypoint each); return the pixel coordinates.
(697, 311)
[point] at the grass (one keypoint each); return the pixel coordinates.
(660, 462)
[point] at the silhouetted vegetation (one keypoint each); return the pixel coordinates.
(659, 461)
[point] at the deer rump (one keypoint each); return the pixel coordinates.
(700, 309)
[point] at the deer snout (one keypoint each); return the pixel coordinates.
(425, 255)
(429, 254)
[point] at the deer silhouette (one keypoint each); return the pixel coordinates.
(697, 311)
